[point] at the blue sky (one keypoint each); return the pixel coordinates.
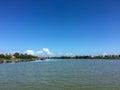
(82, 27)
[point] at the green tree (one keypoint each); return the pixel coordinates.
(17, 55)
(7, 56)
(1, 55)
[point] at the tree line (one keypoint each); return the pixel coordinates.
(17, 56)
(87, 57)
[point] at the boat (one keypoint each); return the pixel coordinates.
(41, 58)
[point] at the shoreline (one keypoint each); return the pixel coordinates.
(29, 60)
(15, 60)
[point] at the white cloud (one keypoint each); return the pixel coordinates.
(39, 52)
(44, 51)
(30, 52)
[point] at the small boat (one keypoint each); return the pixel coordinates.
(41, 58)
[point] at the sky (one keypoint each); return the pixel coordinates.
(79, 27)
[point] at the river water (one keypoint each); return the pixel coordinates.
(66, 74)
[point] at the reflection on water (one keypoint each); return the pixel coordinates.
(61, 75)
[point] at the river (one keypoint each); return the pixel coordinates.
(66, 74)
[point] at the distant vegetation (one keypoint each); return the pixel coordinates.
(20, 57)
(88, 57)
(24, 56)
(16, 57)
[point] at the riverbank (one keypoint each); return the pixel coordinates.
(15, 60)
(16, 57)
